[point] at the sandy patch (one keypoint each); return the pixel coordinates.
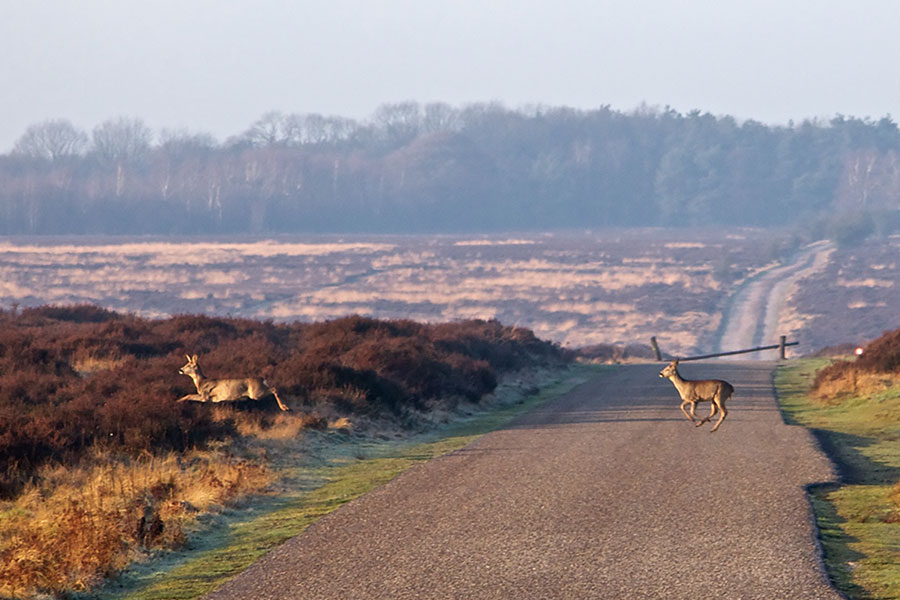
(869, 282)
(494, 242)
(685, 245)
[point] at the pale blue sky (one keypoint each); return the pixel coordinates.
(217, 65)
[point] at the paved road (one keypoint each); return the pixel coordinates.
(607, 492)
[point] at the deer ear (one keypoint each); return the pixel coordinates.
(194, 358)
(675, 363)
(188, 356)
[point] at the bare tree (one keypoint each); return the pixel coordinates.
(54, 139)
(292, 130)
(440, 116)
(400, 122)
(179, 160)
(271, 129)
(122, 140)
(315, 129)
(318, 129)
(179, 144)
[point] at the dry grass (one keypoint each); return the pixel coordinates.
(268, 426)
(87, 362)
(852, 298)
(852, 382)
(81, 524)
(895, 499)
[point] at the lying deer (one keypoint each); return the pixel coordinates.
(225, 390)
(714, 391)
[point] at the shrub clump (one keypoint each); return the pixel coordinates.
(79, 378)
(879, 357)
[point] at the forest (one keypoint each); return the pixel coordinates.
(438, 168)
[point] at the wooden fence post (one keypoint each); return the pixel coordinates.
(781, 346)
(655, 348)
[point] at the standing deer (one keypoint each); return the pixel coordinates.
(714, 391)
(225, 390)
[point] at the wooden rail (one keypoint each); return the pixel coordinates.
(780, 346)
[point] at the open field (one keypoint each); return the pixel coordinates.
(573, 288)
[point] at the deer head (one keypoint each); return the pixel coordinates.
(191, 368)
(669, 370)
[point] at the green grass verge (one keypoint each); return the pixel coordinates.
(356, 468)
(862, 437)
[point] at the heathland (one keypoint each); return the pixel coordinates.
(96, 451)
(102, 464)
(575, 288)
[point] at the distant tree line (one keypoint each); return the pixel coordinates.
(435, 167)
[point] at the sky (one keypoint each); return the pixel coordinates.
(216, 66)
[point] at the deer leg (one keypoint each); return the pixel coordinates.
(278, 400)
(712, 411)
(193, 397)
(698, 421)
(721, 416)
(690, 418)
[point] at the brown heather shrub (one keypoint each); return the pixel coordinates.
(53, 409)
(882, 355)
(878, 365)
(78, 313)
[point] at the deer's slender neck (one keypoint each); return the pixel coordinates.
(197, 377)
(677, 380)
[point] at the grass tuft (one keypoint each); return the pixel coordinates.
(80, 525)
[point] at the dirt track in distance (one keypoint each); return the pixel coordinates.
(755, 312)
(606, 492)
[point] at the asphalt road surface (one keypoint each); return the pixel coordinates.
(606, 492)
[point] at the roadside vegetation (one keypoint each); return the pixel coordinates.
(102, 467)
(853, 408)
